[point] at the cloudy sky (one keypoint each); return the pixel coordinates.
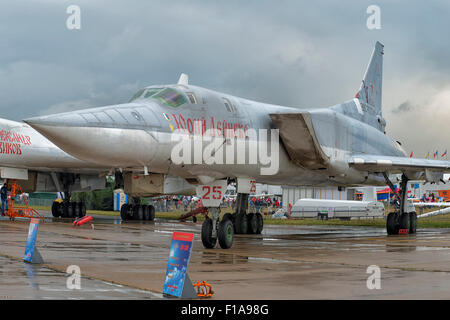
(295, 53)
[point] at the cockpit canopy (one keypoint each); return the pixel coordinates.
(167, 96)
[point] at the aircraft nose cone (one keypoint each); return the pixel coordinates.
(61, 129)
(63, 119)
(96, 142)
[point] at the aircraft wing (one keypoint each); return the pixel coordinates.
(374, 163)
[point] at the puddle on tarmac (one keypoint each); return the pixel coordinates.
(20, 280)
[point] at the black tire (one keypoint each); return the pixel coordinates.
(240, 225)
(260, 223)
(208, 240)
(252, 223)
(228, 216)
(55, 209)
(82, 209)
(412, 222)
(225, 234)
(151, 213)
(64, 210)
(124, 212)
(146, 212)
(70, 210)
(138, 212)
(391, 224)
(404, 221)
(61, 209)
(77, 210)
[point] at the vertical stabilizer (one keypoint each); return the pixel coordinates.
(370, 90)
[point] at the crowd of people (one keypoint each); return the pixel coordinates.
(431, 198)
(189, 203)
(171, 203)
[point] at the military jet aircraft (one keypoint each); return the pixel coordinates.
(210, 138)
(39, 165)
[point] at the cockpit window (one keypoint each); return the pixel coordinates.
(137, 95)
(228, 105)
(151, 91)
(170, 97)
(192, 97)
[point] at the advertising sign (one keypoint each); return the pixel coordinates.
(180, 252)
(32, 234)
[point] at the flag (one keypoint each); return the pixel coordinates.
(435, 154)
(428, 154)
(445, 153)
(411, 154)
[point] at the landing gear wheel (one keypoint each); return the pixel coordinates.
(228, 216)
(151, 210)
(82, 209)
(240, 224)
(252, 223)
(138, 213)
(391, 223)
(260, 223)
(55, 209)
(77, 210)
(70, 210)
(64, 210)
(208, 240)
(60, 209)
(412, 222)
(124, 211)
(225, 233)
(146, 211)
(404, 221)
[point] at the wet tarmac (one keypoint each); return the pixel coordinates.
(128, 261)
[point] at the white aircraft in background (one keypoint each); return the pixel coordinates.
(40, 166)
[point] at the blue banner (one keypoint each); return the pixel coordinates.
(32, 234)
(180, 252)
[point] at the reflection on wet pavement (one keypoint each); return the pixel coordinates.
(20, 280)
(285, 262)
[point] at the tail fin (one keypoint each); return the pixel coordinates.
(370, 90)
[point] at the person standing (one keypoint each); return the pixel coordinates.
(185, 203)
(4, 196)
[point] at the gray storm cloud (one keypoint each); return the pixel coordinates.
(292, 53)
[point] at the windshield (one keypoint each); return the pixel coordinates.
(170, 97)
(137, 95)
(151, 91)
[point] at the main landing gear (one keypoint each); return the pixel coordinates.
(223, 230)
(403, 221)
(137, 211)
(68, 209)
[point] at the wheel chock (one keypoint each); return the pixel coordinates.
(204, 289)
